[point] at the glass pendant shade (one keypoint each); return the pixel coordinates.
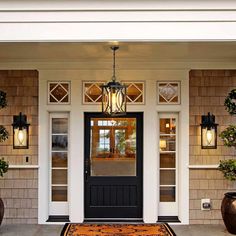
(114, 95)
(208, 132)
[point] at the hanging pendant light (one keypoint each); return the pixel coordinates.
(114, 93)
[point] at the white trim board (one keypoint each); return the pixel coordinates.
(71, 5)
(23, 166)
(203, 166)
(110, 31)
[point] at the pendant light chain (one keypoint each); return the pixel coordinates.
(114, 65)
(114, 62)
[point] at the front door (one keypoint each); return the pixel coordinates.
(113, 166)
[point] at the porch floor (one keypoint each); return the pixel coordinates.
(54, 230)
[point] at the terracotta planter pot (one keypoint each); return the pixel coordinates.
(1, 210)
(228, 210)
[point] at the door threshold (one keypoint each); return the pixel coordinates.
(58, 218)
(168, 219)
(113, 220)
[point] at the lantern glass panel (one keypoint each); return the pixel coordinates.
(208, 137)
(114, 100)
(20, 137)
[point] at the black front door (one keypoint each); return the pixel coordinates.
(113, 166)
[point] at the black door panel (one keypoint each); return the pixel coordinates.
(113, 147)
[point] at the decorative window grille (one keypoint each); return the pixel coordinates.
(58, 92)
(92, 92)
(168, 92)
(135, 92)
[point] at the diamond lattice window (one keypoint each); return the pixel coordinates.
(59, 92)
(168, 92)
(92, 92)
(135, 92)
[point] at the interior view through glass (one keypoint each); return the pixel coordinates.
(167, 159)
(113, 147)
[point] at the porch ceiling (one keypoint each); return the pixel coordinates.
(100, 52)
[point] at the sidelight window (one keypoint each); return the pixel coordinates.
(59, 163)
(168, 157)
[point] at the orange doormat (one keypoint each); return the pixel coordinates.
(117, 230)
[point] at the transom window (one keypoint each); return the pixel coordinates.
(168, 92)
(135, 92)
(92, 92)
(58, 92)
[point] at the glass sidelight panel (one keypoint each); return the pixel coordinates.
(59, 157)
(113, 147)
(167, 160)
(59, 142)
(167, 177)
(167, 194)
(168, 157)
(59, 193)
(60, 125)
(167, 143)
(59, 176)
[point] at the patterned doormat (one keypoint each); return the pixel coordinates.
(117, 230)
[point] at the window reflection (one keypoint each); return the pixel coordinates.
(59, 142)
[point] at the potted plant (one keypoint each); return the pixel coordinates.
(3, 169)
(228, 167)
(3, 137)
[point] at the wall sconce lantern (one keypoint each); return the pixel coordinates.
(114, 94)
(20, 132)
(208, 132)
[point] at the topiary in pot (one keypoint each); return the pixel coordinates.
(230, 102)
(228, 205)
(228, 136)
(228, 167)
(3, 136)
(3, 169)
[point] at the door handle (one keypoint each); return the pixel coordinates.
(86, 175)
(87, 163)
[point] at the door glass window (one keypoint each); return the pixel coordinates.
(167, 146)
(113, 147)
